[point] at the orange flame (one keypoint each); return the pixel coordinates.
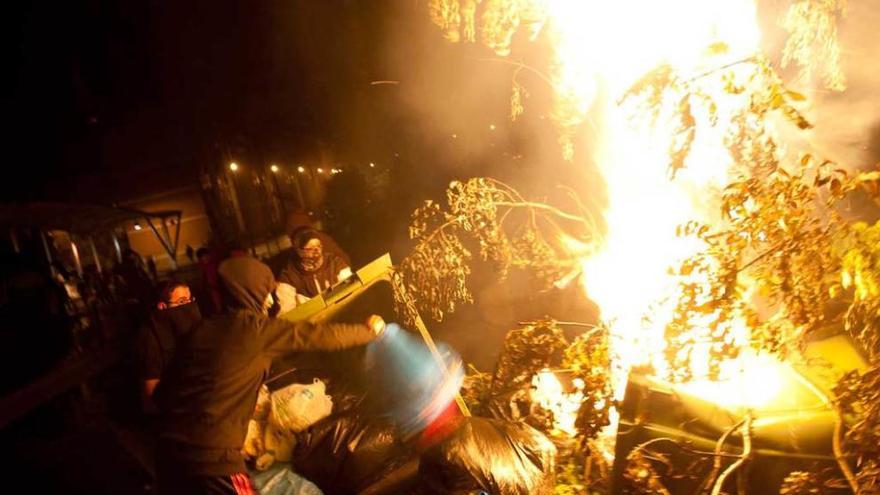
(602, 48)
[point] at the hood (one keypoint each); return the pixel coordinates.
(247, 281)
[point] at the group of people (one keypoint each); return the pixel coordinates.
(201, 376)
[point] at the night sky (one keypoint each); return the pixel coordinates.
(109, 100)
(106, 94)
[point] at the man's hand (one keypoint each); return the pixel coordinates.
(376, 324)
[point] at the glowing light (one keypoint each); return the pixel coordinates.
(274, 168)
(320, 170)
(548, 393)
(752, 381)
(137, 226)
(372, 165)
(491, 127)
(644, 205)
(455, 136)
(233, 166)
(300, 169)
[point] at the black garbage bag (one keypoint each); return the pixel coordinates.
(492, 456)
(350, 452)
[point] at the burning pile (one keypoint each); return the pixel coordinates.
(685, 103)
(724, 248)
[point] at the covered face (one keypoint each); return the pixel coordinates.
(311, 255)
(181, 318)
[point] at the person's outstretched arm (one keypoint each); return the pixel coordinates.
(282, 336)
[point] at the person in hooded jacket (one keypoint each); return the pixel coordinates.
(313, 267)
(175, 315)
(209, 391)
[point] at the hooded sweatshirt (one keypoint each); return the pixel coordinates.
(313, 282)
(209, 391)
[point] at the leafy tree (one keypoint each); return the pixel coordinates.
(780, 257)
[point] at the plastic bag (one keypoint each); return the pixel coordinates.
(278, 416)
(297, 406)
(280, 480)
(350, 452)
(494, 456)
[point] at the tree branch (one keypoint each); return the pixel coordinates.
(520, 66)
(747, 453)
(837, 447)
(542, 206)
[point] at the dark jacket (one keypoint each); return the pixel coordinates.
(157, 340)
(209, 391)
(310, 284)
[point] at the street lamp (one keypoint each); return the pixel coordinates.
(233, 166)
(301, 169)
(274, 168)
(320, 170)
(372, 165)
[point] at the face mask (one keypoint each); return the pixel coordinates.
(181, 318)
(311, 261)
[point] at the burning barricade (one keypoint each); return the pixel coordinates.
(386, 418)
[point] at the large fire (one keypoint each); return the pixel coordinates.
(602, 48)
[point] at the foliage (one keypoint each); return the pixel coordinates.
(498, 20)
(588, 358)
(781, 255)
(493, 218)
(583, 470)
(476, 388)
(781, 241)
(526, 352)
(664, 95)
(506, 393)
(857, 398)
(543, 346)
(641, 477)
(813, 482)
(812, 42)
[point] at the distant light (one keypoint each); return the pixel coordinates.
(274, 168)
(335, 171)
(455, 136)
(320, 170)
(372, 165)
(300, 169)
(137, 226)
(491, 127)
(233, 166)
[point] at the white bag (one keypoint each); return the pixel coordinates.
(281, 414)
(298, 406)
